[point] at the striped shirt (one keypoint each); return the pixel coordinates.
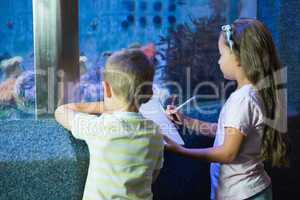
(125, 149)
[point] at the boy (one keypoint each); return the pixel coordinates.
(126, 150)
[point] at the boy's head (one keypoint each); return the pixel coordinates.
(129, 74)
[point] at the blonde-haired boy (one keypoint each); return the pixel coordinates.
(126, 150)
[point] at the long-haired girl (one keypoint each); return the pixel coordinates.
(249, 128)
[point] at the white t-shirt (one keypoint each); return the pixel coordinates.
(125, 149)
(245, 176)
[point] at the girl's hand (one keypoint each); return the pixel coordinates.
(172, 146)
(174, 115)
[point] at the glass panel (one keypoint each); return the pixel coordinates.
(184, 34)
(17, 87)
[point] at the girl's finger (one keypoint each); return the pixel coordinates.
(171, 109)
(171, 115)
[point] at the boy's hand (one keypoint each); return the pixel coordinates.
(172, 146)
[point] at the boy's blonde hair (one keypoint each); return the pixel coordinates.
(130, 74)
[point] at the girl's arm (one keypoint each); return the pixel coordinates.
(92, 107)
(205, 128)
(225, 153)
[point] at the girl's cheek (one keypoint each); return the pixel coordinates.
(220, 61)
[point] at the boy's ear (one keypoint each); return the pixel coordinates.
(106, 89)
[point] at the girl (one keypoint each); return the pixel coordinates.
(247, 132)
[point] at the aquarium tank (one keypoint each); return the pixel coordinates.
(179, 35)
(17, 81)
(53, 52)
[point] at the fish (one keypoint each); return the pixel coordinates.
(10, 24)
(149, 50)
(94, 25)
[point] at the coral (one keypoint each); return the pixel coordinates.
(7, 92)
(11, 67)
(93, 76)
(25, 91)
(90, 92)
(89, 88)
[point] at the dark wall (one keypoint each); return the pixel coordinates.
(282, 17)
(283, 20)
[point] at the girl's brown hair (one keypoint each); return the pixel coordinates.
(254, 46)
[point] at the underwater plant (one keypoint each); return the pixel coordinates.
(25, 91)
(10, 70)
(88, 92)
(89, 88)
(191, 54)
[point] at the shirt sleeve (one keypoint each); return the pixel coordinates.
(85, 126)
(239, 115)
(160, 157)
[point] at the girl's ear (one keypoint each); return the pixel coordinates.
(238, 61)
(107, 89)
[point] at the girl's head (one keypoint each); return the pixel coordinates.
(248, 46)
(252, 45)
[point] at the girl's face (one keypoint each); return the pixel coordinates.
(228, 61)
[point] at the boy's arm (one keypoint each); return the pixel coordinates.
(65, 116)
(92, 107)
(80, 124)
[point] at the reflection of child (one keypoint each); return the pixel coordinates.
(243, 137)
(125, 148)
